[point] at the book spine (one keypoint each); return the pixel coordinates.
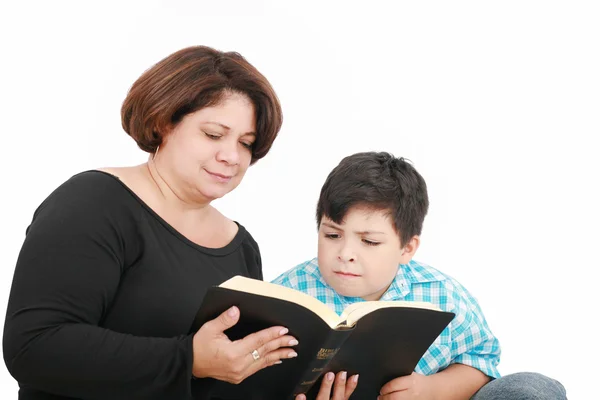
(320, 361)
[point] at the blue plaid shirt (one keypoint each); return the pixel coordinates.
(467, 340)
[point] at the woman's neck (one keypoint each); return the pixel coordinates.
(171, 193)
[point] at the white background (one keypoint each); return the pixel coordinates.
(496, 103)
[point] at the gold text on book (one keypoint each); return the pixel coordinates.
(325, 354)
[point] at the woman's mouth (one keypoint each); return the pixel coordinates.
(219, 177)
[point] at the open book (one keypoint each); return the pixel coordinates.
(378, 340)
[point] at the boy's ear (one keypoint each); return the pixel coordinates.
(409, 249)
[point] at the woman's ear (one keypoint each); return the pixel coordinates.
(161, 131)
(409, 249)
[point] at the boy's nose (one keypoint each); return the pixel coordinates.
(346, 254)
(345, 259)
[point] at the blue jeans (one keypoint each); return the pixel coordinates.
(522, 386)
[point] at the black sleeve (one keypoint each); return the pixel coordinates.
(258, 274)
(254, 259)
(67, 274)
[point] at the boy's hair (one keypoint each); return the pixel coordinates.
(379, 181)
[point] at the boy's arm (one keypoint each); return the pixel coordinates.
(474, 353)
(457, 382)
(472, 342)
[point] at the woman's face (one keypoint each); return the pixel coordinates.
(207, 154)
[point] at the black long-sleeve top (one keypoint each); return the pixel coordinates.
(104, 294)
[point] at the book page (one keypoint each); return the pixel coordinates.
(356, 311)
(267, 289)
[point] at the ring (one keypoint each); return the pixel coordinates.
(255, 355)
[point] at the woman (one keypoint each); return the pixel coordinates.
(116, 261)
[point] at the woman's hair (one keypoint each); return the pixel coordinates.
(189, 80)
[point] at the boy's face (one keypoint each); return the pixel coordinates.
(360, 257)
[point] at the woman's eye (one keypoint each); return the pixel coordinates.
(212, 136)
(247, 145)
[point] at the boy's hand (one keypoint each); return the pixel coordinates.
(342, 387)
(414, 386)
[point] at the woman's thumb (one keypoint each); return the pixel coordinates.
(227, 319)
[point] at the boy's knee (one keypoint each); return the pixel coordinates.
(522, 386)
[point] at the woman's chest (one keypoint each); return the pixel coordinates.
(160, 293)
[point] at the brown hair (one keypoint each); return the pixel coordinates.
(191, 79)
(377, 181)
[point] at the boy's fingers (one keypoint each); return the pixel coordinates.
(326, 384)
(351, 386)
(396, 385)
(339, 386)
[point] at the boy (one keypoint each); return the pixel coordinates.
(370, 214)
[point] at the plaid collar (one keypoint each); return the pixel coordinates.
(413, 272)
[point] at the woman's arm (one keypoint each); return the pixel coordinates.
(66, 277)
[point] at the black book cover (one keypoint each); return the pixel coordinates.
(383, 345)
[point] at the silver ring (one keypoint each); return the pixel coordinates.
(255, 355)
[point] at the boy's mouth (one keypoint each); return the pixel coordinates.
(346, 274)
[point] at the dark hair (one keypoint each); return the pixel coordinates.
(379, 181)
(191, 79)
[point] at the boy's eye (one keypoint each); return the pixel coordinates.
(371, 243)
(332, 236)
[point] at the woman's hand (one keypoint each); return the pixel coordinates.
(342, 387)
(218, 357)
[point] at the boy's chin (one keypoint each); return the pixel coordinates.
(347, 291)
